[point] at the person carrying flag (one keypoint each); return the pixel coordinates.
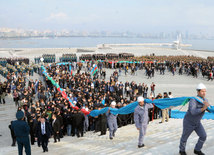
(192, 121)
(112, 121)
(141, 119)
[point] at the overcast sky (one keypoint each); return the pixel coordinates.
(109, 15)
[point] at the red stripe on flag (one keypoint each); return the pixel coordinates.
(95, 69)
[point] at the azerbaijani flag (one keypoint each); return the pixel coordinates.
(71, 70)
(94, 70)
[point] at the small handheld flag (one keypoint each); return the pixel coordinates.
(94, 70)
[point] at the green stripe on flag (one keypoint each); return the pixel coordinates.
(185, 102)
(95, 71)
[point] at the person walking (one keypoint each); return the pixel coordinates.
(112, 121)
(56, 128)
(44, 132)
(192, 121)
(141, 119)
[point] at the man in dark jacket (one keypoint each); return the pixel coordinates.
(21, 130)
(140, 89)
(103, 122)
(68, 122)
(78, 119)
(56, 128)
(44, 132)
(12, 135)
(59, 117)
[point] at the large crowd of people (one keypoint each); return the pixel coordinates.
(189, 65)
(41, 101)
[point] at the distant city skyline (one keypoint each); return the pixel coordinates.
(16, 33)
(134, 16)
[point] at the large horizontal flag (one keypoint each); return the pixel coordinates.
(160, 103)
(103, 101)
(94, 69)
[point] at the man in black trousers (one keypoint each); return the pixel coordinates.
(12, 135)
(56, 128)
(43, 132)
(103, 122)
(78, 119)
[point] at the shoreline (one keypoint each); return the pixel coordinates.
(92, 47)
(31, 53)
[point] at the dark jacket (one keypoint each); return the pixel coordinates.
(20, 128)
(48, 130)
(11, 131)
(60, 119)
(78, 119)
(56, 125)
(102, 118)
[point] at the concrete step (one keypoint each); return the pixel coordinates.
(161, 139)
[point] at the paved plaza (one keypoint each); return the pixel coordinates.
(160, 139)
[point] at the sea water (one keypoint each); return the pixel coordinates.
(76, 42)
